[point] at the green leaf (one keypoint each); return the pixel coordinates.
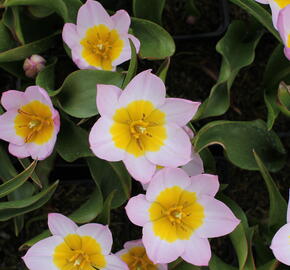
(46, 77)
(162, 71)
(185, 266)
(277, 70)
(278, 205)
(156, 43)
(15, 208)
(72, 142)
(40, 11)
(27, 50)
(25, 162)
(6, 41)
(77, 95)
(34, 240)
(105, 216)
(217, 264)
(14, 183)
(284, 98)
(111, 176)
(240, 37)
(271, 265)
(7, 170)
(132, 67)
(239, 139)
(261, 14)
(150, 10)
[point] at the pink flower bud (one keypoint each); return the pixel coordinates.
(33, 65)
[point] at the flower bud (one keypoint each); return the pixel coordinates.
(33, 65)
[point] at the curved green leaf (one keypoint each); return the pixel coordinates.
(7, 170)
(77, 95)
(156, 43)
(239, 139)
(284, 98)
(46, 77)
(217, 264)
(132, 67)
(162, 70)
(272, 265)
(40, 11)
(6, 42)
(242, 38)
(105, 216)
(10, 185)
(150, 10)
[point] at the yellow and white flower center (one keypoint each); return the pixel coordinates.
(138, 128)
(288, 41)
(101, 46)
(78, 253)
(176, 214)
(137, 259)
(34, 122)
(282, 3)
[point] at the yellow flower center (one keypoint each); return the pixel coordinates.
(101, 46)
(176, 214)
(288, 41)
(137, 259)
(78, 253)
(282, 3)
(34, 122)
(138, 128)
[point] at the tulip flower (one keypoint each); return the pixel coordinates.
(71, 247)
(98, 40)
(178, 215)
(284, 28)
(141, 127)
(33, 65)
(30, 123)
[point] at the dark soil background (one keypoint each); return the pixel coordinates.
(193, 71)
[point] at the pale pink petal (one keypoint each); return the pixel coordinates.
(101, 141)
(176, 150)
(219, 219)
(121, 252)
(7, 129)
(125, 53)
(12, 99)
(61, 225)
(288, 209)
(70, 35)
(90, 14)
(204, 184)
(99, 232)
(140, 168)
(194, 166)
(189, 132)
(113, 262)
(121, 21)
(160, 251)
(135, 41)
(19, 151)
(39, 256)
(166, 178)
(137, 210)
(262, 1)
(179, 111)
(37, 93)
(197, 251)
(287, 52)
(134, 243)
(162, 266)
(283, 23)
(280, 244)
(107, 99)
(275, 12)
(144, 86)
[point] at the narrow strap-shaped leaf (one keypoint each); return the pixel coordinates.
(105, 215)
(162, 70)
(25, 162)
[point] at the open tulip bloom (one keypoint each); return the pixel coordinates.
(141, 127)
(135, 256)
(71, 247)
(276, 7)
(284, 28)
(178, 214)
(98, 40)
(281, 241)
(30, 123)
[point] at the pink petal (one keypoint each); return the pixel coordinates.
(121, 252)
(280, 244)
(189, 132)
(160, 251)
(287, 52)
(114, 263)
(194, 166)
(162, 266)
(12, 99)
(275, 12)
(125, 53)
(134, 243)
(39, 256)
(121, 21)
(70, 35)
(219, 219)
(107, 99)
(61, 225)
(283, 23)
(197, 251)
(176, 150)
(90, 14)
(262, 1)
(204, 184)
(137, 210)
(179, 111)
(101, 233)
(7, 129)
(166, 178)
(101, 141)
(135, 41)
(288, 209)
(140, 168)
(19, 151)
(37, 93)
(144, 86)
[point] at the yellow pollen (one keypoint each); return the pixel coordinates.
(282, 3)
